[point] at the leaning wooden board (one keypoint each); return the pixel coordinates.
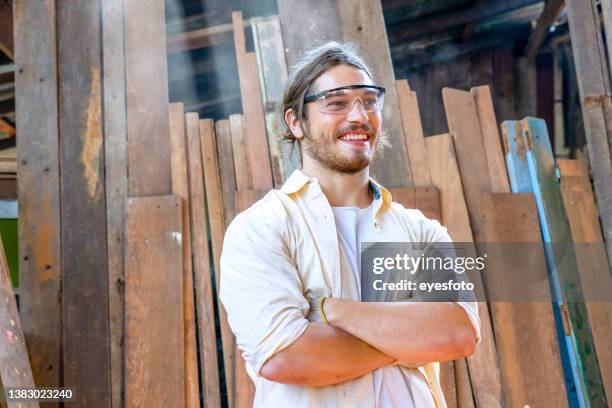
(155, 370)
(180, 188)
(83, 205)
(591, 257)
(524, 356)
(15, 368)
(39, 187)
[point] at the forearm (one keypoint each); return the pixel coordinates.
(414, 333)
(323, 355)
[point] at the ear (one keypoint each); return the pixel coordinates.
(294, 123)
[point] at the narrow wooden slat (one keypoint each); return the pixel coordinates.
(180, 188)
(155, 371)
(83, 206)
(448, 384)
(115, 158)
(214, 203)
(15, 368)
(147, 105)
(413, 133)
(39, 187)
(242, 163)
(569, 168)
(465, 396)
(226, 167)
(491, 139)
(209, 370)
(483, 364)
(516, 156)
(523, 356)
(256, 140)
(594, 273)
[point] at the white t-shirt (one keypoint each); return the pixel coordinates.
(354, 226)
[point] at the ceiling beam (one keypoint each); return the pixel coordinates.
(551, 12)
(6, 32)
(423, 27)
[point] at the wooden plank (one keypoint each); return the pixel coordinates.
(6, 34)
(180, 188)
(483, 364)
(569, 168)
(363, 23)
(200, 38)
(154, 302)
(592, 262)
(241, 160)
(425, 199)
(85, 296)
(115, 159)
(523, 356)
(555, 228)
(491, 139)
(552, 9)
(39, 187)
(6, 128)
(463, 123)
(256, 140)
(447, 383)
(465, 397)
(226, 167)
(209, 371)
(516, 156)
(147, 105)
(15, 368)
(214, 203)
(413, 133)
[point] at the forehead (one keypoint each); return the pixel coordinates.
(341, 75)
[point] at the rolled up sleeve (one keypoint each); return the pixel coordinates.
(260, 287)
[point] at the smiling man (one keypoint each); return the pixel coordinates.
(290, 268)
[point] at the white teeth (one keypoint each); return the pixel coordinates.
(354, 136)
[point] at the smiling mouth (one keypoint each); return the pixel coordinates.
(355, 137)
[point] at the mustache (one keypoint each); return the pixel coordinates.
(348, 129)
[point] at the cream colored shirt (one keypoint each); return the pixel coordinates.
(283, 250)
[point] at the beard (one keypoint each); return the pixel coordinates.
(325, 151)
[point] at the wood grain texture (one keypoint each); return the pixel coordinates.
(483, 364)
(363, 23)
(146, 74)
(569, 168)
(463, 123)
(83, 205)
(39, 187)
(154, 302)
(465, 395)
(214, 203)
(256, 140)
(242, 165)
(523, 356)
(209, 370)
(585, 228)
(426, 199)
(413, 133)
(491, 139)
(180, 188)
(115, 159)
(448, 383)
(225, 153)
(15, 368)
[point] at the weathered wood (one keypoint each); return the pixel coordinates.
(241, 161)
(180, 188)
(147, 105)
(523, 356)
(209, 370)
(483, 364)
(200, 38)
(6, 34)
(552, 9)
(155, 371)
(592, 262)
(214, 203)
(363, 23)
(255, 137)
(115, 159)
(226, 167)
(39, 187)
(15, 368)
(448, 384)
(413, 133)
(465, 397)
(83, 205)
(425, 199)
(570, 168)
(491, 139)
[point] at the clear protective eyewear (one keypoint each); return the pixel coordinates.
(340, 101)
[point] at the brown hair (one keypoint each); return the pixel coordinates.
(305, 72)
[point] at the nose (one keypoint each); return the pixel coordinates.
(357, 112)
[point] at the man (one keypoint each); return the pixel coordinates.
(290, 264)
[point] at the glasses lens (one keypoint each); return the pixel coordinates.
(342, 101)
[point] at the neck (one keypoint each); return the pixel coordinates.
(342, 189)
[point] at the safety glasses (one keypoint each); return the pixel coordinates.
(340, 101)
